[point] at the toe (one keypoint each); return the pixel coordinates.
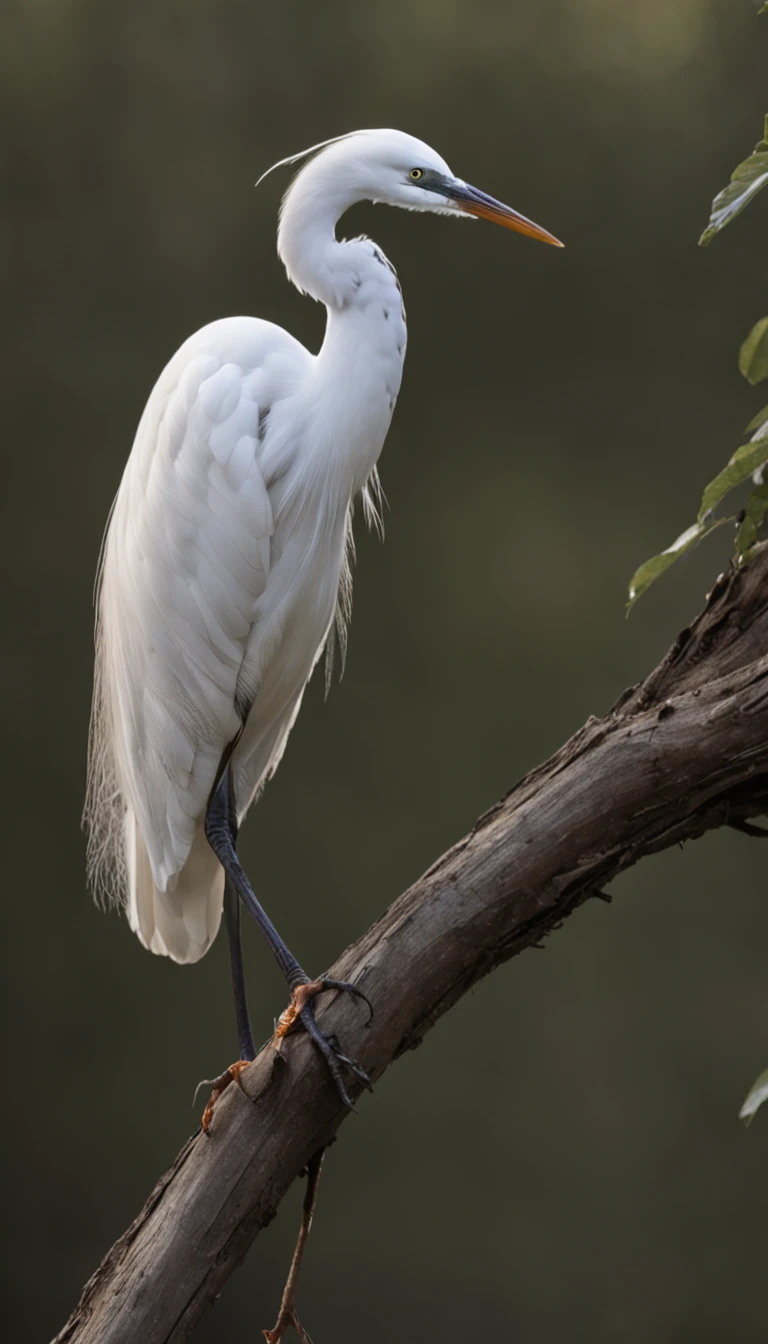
(220, 1084)
(334, 1057)
(346, 987)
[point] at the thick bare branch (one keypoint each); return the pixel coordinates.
(684, 752)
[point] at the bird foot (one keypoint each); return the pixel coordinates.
(220, 1084)
(301, 1009)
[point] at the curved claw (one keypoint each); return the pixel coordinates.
(349, 988)
(333, 1057)
(327, 1051)
(359, 1073)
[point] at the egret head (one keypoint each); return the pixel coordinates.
(393, 168)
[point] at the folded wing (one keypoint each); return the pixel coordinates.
(186, 558)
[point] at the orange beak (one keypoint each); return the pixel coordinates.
(474, 202)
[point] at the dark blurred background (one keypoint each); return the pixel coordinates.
(560, 412)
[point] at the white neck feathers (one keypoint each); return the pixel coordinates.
(316, 262)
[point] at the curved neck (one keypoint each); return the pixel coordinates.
(365, 336)
(317, 264)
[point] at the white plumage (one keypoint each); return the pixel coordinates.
(226, 549)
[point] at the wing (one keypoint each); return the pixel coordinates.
(186, 558)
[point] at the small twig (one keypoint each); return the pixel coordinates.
(288, 1314)
(748, 828)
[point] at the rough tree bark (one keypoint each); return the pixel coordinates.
(683, 752)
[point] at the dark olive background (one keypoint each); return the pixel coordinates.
(561, 1160)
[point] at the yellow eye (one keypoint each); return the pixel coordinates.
(416, 173)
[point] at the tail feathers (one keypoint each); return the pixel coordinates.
(183, 923)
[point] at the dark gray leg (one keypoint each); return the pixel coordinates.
(232, 921)
(221, 831)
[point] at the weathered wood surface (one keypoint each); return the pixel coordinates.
(684, 752)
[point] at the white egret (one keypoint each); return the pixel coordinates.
(226, 562)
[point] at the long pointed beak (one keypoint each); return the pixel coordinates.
(475, 202)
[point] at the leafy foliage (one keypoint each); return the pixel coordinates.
(758, 421)
(751, 460)
(757, 1094)
(755, 515)
(753, 355)
(655, 567)
(747, 179)
(744, 463)
(748, 461)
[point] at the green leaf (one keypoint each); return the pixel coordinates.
(757, 1094)
(763, 9)
(753, 355)
(747, 179)
(755, 514)
(652, 569)
(757, 421)
(744, 461)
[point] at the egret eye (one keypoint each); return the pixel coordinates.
(415, 174)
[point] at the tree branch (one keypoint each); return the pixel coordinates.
(680, 754)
